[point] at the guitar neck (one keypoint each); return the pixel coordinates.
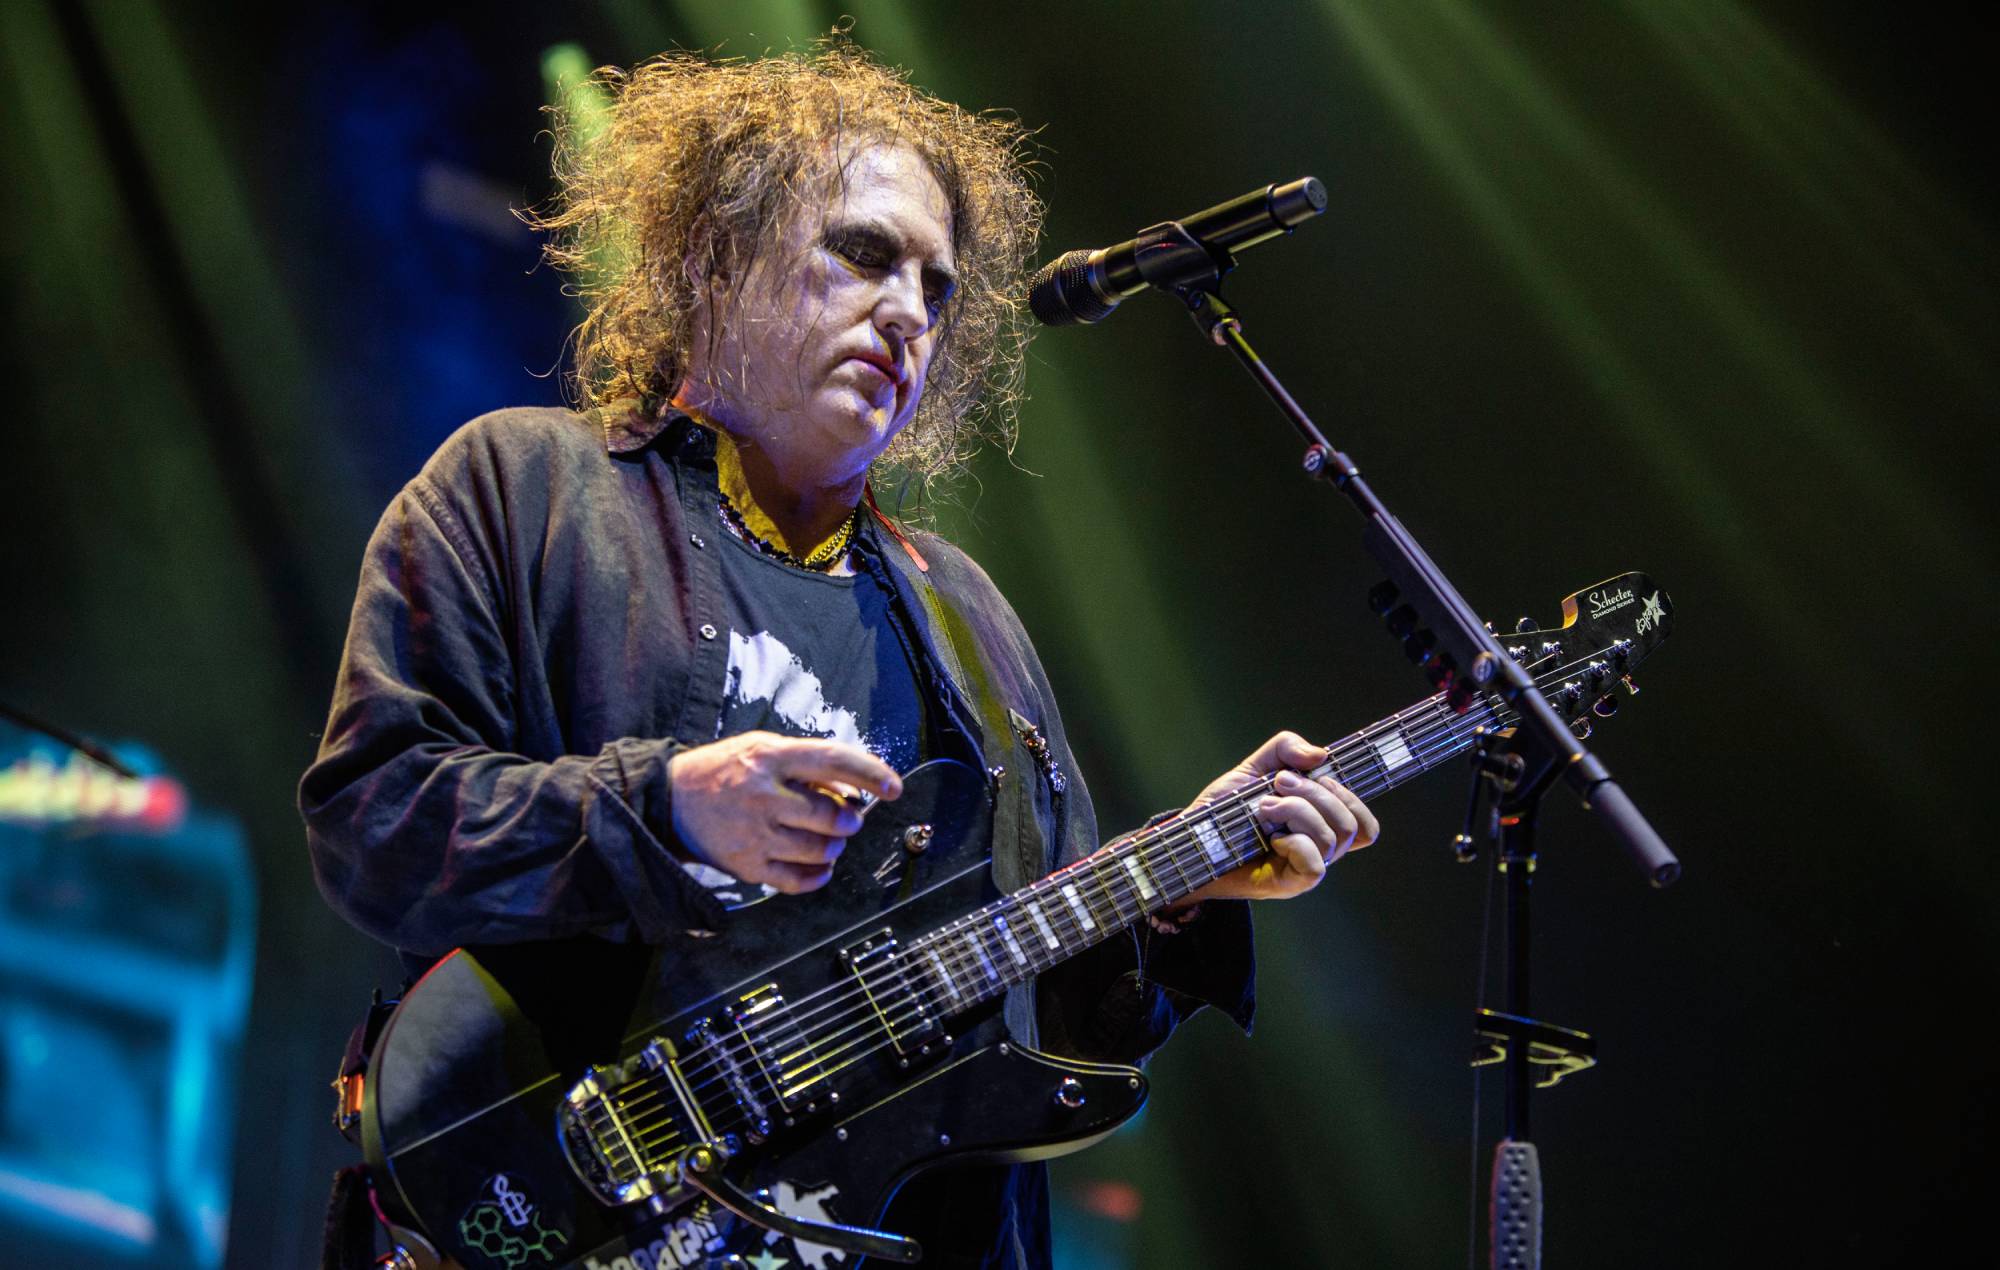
(1016, 937)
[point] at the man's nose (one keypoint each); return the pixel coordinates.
(901, 310)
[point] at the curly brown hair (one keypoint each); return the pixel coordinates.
(700, 164)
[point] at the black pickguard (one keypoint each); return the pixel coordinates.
(464, 1086)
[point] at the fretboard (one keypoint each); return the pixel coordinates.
(978, 956)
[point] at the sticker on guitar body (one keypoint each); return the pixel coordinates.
(506, 1228)
(696, 1237)
(806, 1205)
(687, 1241)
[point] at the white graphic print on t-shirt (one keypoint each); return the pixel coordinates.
(761, 668)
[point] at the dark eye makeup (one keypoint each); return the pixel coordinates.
(867, 247)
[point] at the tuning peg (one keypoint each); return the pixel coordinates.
(1580, 726)
(1419, 646)
(1631, 688)
(1440, 671)
(1381, 597)
(1402, 621)
(1605, 706)
(1524, 625)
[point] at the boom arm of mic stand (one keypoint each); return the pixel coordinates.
(1459, 631)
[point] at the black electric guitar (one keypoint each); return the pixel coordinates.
(799, 1069)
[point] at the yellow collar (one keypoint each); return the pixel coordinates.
(735, 486)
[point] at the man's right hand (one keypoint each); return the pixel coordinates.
(762, 807)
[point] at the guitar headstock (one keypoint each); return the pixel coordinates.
(1607, 630)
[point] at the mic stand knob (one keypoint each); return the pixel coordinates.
(1488, 768)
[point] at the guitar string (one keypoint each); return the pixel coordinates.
(1160, 848)
(1175, 850)
(1161, 851)
(1348, 752)
(664, 1132)
(820, 1051)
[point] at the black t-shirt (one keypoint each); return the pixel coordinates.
(814, 655)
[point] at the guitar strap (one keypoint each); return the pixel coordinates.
(977, 684)
(946, 644)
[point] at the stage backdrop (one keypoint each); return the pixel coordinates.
(1701, 288)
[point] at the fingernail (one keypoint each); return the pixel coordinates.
(1290, 780)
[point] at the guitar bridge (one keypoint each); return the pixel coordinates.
(625, 1128)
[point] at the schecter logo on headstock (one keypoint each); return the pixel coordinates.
(1602, 602)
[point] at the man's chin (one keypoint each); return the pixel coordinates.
(859, 426)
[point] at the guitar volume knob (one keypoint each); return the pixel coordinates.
(1069, 1093)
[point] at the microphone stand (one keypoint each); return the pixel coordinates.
(96, 753)
(1461, 657)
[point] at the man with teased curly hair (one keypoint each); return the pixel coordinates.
(678, 191)
(617, 678)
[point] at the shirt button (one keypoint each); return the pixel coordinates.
(707, 631)
(694, 434)
(696, 539)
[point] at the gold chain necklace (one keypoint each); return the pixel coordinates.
(824, 558)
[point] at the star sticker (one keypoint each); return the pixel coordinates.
(1653, 612)
(765, 1261)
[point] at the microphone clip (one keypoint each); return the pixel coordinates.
(1170, 258)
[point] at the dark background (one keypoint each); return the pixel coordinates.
(1698, 288)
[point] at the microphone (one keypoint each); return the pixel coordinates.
(1084, 286)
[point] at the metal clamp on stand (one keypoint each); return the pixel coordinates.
(1518, 770)
(701, 1168)
(1559, 1052)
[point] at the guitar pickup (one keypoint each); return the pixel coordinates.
(897, 999)
(781, 1052)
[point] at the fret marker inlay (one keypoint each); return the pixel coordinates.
(950, 984)
(1211, 841)
(1393, 751)
(1042, 924)
(985, 962)
(1007, 938)
(1076, 906)
(1139, 878)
